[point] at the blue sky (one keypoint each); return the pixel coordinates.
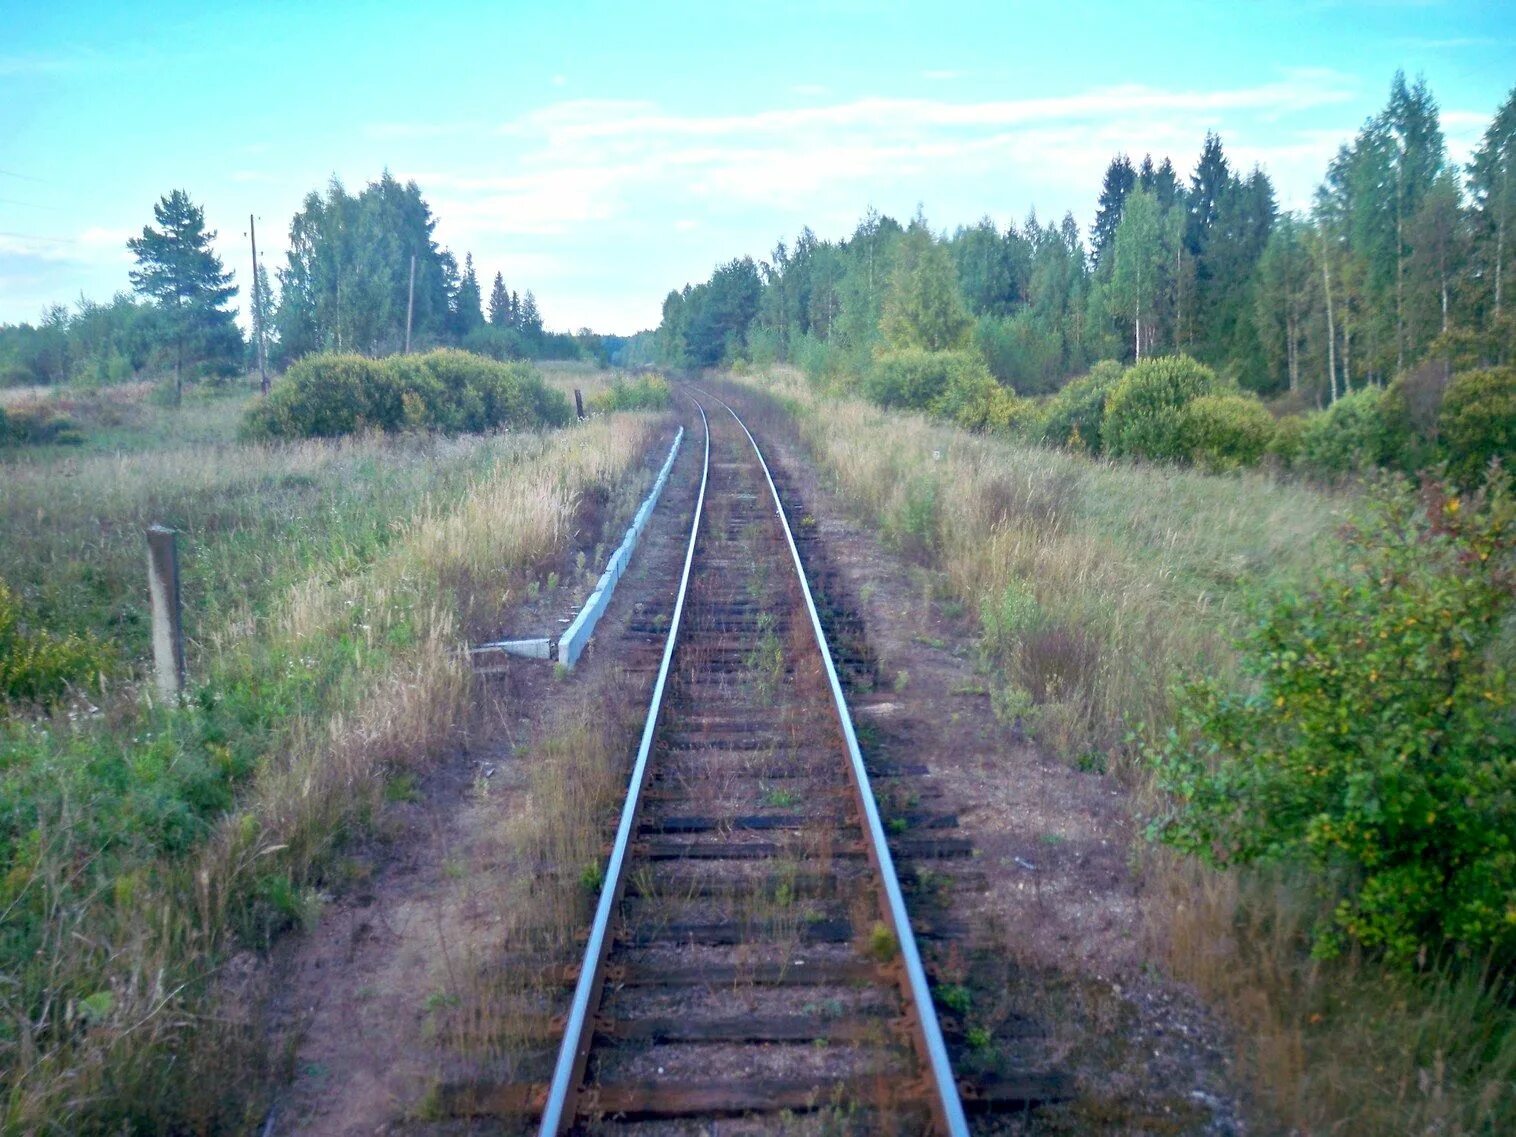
(603, 153)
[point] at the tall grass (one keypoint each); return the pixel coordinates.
(1092, 582)
(1094, 585)
(145, 846)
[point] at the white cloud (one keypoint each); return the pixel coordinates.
(602, 180)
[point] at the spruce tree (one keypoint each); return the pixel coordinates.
(531, 320)
(1120, 179)
(178, 270)
(500, 304)
(468, 314)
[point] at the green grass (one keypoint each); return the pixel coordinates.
(1097, 585)
(253, 521)
(327, 588)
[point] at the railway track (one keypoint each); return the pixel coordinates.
(751, 959)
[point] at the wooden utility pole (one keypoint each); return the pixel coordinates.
(168, 622)
(410, 305)
(258, 312)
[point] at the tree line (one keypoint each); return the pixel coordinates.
(1401, 257)
(345, 285)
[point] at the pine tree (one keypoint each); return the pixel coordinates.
(1120, 179)
(1491, 174)
(500, 304)
(531, 320)
(1283, 298)
(178, 270)
(1208, 184)
(467, 313)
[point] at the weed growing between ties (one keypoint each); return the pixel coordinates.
(498, 1022)
(1095, 586)
(149, 845)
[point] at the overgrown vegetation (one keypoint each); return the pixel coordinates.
(328, 585)
(325, 396)
(644, 393)
(37, 667)
(1096, 586)
(1375, 742)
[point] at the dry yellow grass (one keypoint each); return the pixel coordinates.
(153, 943)
(1096, 584)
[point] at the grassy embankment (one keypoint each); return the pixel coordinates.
(327, 588)
(1095, 585)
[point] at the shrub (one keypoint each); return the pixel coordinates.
(324, 396)
(973, 399)
(1377, 746)
(1351, 436)
(1284, 447)
(1225, 432)
(1021, 351)
(16, 375)
(913, 378)
(37, 667)
(1073, 416)
(1410, 413)
(1143, 415)
(645, 393)
(39, 424)
(1478, 421)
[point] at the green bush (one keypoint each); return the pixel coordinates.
(645, 393)
(1478, 421)
(1284, 447)
(39, 424)
(1225, 432)
(1144, 414)
(914, 379)
(1074, 415)
(37, 667)
(325, 396)
(973, 399)
(1022, 351)
(1409, 410)
(1377, 743)
(1351, 436)
(16, 375)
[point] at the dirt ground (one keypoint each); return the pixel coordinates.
(360, 995)
(1040, 934)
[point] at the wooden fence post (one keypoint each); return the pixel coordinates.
(578, 403)
(168, 622)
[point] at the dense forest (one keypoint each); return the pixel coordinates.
(1401, 257)
(344, 286)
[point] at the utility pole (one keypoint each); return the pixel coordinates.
(258, 312)
(410, 305)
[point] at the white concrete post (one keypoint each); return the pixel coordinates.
(168, 624)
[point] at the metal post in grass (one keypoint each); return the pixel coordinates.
(578, 403)
(168, 622)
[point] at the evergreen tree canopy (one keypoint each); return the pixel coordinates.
(500, 304)
(924, 308)
(182, 275)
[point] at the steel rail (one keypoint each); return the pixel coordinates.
(947, 1106)
(568, 1072)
